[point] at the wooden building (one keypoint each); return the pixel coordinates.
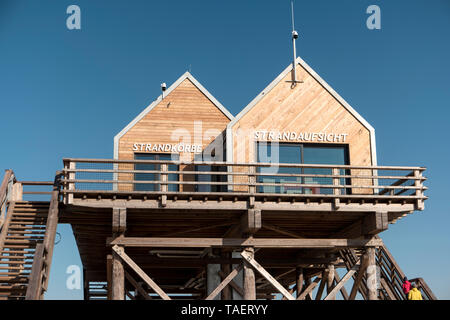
(198, 204)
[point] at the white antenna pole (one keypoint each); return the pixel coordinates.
(294, 37)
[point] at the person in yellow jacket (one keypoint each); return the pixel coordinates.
(414, 293)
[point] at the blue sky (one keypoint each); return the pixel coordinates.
(66, 93)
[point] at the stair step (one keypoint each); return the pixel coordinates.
(13, 288)
(13, 279)
(15, 268)
(37, 237)
(17, 252)
(26, 232)
(16, 262)
(21, 246)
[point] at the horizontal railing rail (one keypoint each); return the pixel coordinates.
(87, 177)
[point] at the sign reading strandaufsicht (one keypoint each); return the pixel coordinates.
(265, 135)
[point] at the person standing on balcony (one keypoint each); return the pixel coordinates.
(406, 286)
(414, 293)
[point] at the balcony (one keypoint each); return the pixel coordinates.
(228, 186)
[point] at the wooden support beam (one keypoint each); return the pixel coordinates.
(245, 242)
(372, 275)
(224, 283)
(375, 222)
(251, 221)
(359, 277)
(343, 290)
(299, 280)
(118, 277)
(85, 286)
(249, 275)
(332, 294)
(121, 253)
(309, 288)
(233, 284)
(281, 231)
(137, 286)
(322, 285)
(119, 221)
(248, 257)
(226, 268)
(109, 264)
(330, 280)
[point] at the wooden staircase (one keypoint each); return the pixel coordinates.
(391, 276)
(27, 238)
(23, 230)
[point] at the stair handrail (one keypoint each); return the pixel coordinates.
(421, 284)
(40, 269)
(5, 193)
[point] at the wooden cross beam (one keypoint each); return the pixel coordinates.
(266, 275)
(309, 288)
(224, 283)
(322, 285)
(121, 253)
(137, 286)
(359, 277)
(332, 294)
(233, 284)
(242, 242)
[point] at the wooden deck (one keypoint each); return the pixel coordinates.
(173, 235)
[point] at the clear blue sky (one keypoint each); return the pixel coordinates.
(67, 93)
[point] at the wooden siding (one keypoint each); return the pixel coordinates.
(308, 107)
(185, 110)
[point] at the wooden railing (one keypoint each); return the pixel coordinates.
(391, 276)
(42, 261)
(333, 183)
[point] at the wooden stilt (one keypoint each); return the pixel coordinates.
(322, 285)
(330, 281)
(299, 280)
(118, 278)
(109, 276)
(249, 277)
(85, 286)
(226, 269)
(372, 274)
(359, 277)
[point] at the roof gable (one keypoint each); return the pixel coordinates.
(322, 82)
(155, 103)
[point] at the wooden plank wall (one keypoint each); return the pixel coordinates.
(186, 110)
(308, 107)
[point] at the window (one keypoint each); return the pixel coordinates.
(154, 176)
(210, 177)
(299, 154)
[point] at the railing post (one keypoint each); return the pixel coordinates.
(34, 289)
(164, 185)
(336, 191)
(72, 166)
(17, 192)
(418, 185)
(251, 185)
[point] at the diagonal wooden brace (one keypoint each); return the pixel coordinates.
(121, 253)
(225, 282)
(267, 275)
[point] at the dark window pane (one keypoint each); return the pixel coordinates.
(154, 176)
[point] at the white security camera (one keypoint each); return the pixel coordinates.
(163, 86)
(294, 34)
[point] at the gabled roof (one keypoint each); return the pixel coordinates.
(185, 76)
(327, 87)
